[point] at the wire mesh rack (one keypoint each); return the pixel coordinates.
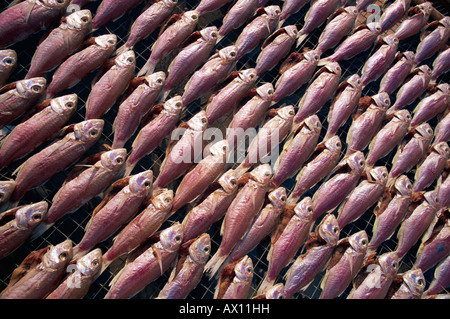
(72, 226)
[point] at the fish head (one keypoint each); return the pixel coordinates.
(262, 174)
(409, 56)
(391, 40)
(199, 121)
(91, 263)
(403, 186)
(219, 149)
(229, 53)
(114, 159)
(432, 198)
(30, 88)
(248, 75)
(425, 131)
(334, 144)
(229, 181)
(265, 91)
(426, 8)
(243, 270)
(287, 113)
(312, 56)
(442, 149)
(59, 255)
(292, 31)
(210, 34)
(6, 189)
(359, 241)
(355, 81)
(352, 11)
(31, 215)
(445, 21)
(64, 104)
(415, 281)
(141, 183)
(200, 249)
(156, 80)
(170, 3)
(375, 27)
(304, 209)
(8, 58)
(174, 105)
(163, 200)
(88, 130)
(381, 100)
(273, 11)
(357, 162)
(403, 116)
(80, 19)
(278, 197)
(423, 70)
(172, 237)
(106, 41)
(312, 125)
(56, 4)
(190, 17)
(334, 68)
(445, 88)
(328, 229)
(379, 174)
(126, 59)
(276, 292)
(389, 263)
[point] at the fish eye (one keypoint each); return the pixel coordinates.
(249, 270)
(119, 160)
(384, 175)
(37, 217)
(69, 105)
(233, 54)
(179, 104)
(386, 101)
(283, 199)
(429, 131)
(63, 256)
(233, 182)
(277, 12)
(224, 148)
(316, 57)
(270, 92)
(309, 209)
(167, 200)
(364, 242)
(335, 230)
(9, 61)
(338, 144)
(93, 132)
(378, 28)
(159, 81)
(130, 60)
(146, 184)
(358, 81)
(206, 249)
(36, 88)
(252, 76)
(59, 1)
(266, 174)
(84, 19)
(95, 263)
(420, 282)
(177, 238)
(291, 113)
(194, 17)
(408, 186)
(204, 120)
(394, 265)
(361, 163)
(111, 41)
(214, 35)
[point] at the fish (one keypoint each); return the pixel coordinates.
(241, 12)
(189, 271)
(206, 6)
(109, 10)
(20, 21)
(398, 72)
(81, 64)
(433, 39)
(154, 132)
(115, 211)
(106, 91)
(174, 33)
(148, 266)
(276, 292)
(431, 167)
(416, 19)
(345, 264)
(444, 188)
(135, 107)
(317, 256)
(442, 132)
(184, 153)
(61, 43)
(321, 163)
(364, 196)
(287, 240)
(8, 63)
(18, 97)
(296, 150)
(211, 73)
(440, 65)
(39, 273)
(6, 190)
(378, 62)
(431, 105)
(340, 24)
(412, 286)
(379, 278)
(440, 280)
(84, 272)
(235, 280)
(262, 3)
(361, 5)
(33, 132)
(141, 227)
(289, 8)
(56, 157)
(17, 225)
(393, 13)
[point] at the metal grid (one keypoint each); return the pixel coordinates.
(72, 226)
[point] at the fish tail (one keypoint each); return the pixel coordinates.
(129, 168)
(105, 265)
(301, 37)
(219, 38)
(265, 285)
(165, 95)
(323, 61)
(148, 68)
(77, 252)
(122, 49)
(214, 264)
(280, 23)
(39, 230)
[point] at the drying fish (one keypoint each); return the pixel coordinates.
(110, 10)
(227, 98)
(377, 282)
(8, 62)
(80, 3)
(275, 48)
(276, 292)
(393, 13)
(416, 19)
(176, 31)
(61, 43)
(6, 190)
(319, 250)
(442, 132)
(444, 189)
(114, 211)
(295, 76)
(240, 214)
(322, 162)
(290, 7)
(264, 23)
(136, 106)
(340, 24)
(391, 211)
(287, 241)
(148, 266)
(440, 280)
(56, 157)
(141, 227)
(379, 62)
(188, 273)
(297, 150)
(345, 264)
(77, 284)
(154, 132)
(17, 225)
(206, 6)
(27, 17)
(237, 15)
(111, 85)
(29, 134)
(343, 105)
(361, 5)
(364, 196)
(398, 72)
(412, 285)
(318, 13)
(40, 272)
(432, 105)
(431, 167)
(18, 97)
(207, 171)
(434, 38)
(262, 3)
(80, 64)
(212, 72)
(441, 65)
(235, 280)
(184, 154)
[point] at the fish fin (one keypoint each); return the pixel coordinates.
(39, 230)
(265, 285)
(116, 277)
(158, 256)
(322, 62)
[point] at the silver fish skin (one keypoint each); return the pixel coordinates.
(134, 108)
(185, 279)
(399, 71)
(377, 283)
(56, 157)
(340, 274)
(416, 19)
(379, 62)
(441, 65)
(393, 13)
(433, 41)
(107, 90)
(340, 24)
(287, 241)
(148, 266)
(317, 168)
(413, 285)
(82, 63)
(8, 63)
(389, 218)
(228, 97)
(364, 196)
(141, 227)
(77, 284)
(442, 131)
(6, 190)
(61, 43)
(308, 265)
(289, 8)
(18, 224)
(115, 212)
(431, 167)
(206, 6)
(237, 15)
(19, 98)
(44, 276)
(297, 150)
(110, 10)
(264, 223)
(240, 286)
(211, 73)
(432, 105)
(440, 280)
(31, 133)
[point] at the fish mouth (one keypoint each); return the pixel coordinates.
(155, 80)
